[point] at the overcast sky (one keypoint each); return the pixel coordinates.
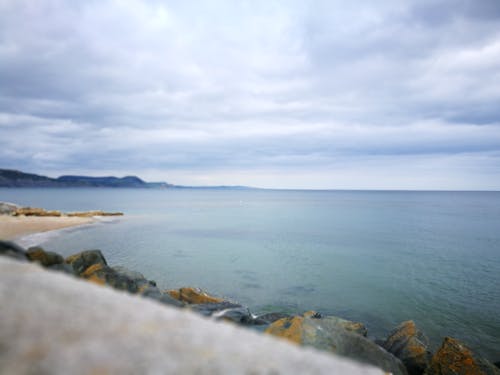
(311, 94)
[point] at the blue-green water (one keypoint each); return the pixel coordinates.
(375, 257)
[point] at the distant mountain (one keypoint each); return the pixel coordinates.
(13, 178)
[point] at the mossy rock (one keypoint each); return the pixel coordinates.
(83, 260)
(104, 275)
(454, 358)
(410, 345)
(193, 295)
(335, 335)
(45, 258)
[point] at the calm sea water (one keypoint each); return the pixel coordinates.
(376, 257)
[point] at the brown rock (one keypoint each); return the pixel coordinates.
(335, 335)
(85, 259)
(31, 211)
(193, 295)
(45, 258)
(454, 358)
(102, 274)
(411, 346)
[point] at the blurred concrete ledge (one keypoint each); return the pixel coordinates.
(51, 323)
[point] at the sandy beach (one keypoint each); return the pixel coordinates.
(12, 227)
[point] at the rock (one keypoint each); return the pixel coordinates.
(454, 358)
(62, 267)
(32, 211)
(45, 258)
(12, 250)
(272, 317)
(104, 275)
(85, 259)
(193, 295)
(348, 325)
(411, 346)
(7, 208)
(225, 310)
(133, 275)
(149, 290)
(330, 334)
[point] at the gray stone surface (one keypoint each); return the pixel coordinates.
(7, 208)
(55, 324)
(10, 249)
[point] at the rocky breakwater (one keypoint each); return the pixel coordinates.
(404, 351)
(12, 209)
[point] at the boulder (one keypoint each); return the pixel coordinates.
(348, 325)
(138, 277)
(454, 358)
(12, 250)
(151, 291)
(85, 259)
(269, 318)
(102, 274)
(7, 208)
(225, 310)
(45, 258)
(331, 334)
(193, 295)
(62, 267)
(411, 346)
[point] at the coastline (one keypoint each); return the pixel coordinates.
(404, 351)
(16, 227)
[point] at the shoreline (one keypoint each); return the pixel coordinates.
(403, 351)
(17, 227)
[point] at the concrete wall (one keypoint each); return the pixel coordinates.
(51, 323)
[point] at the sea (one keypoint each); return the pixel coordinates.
(378, 257)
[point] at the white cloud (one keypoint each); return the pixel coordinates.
(238, 92)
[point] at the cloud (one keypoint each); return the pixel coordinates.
(246, 92)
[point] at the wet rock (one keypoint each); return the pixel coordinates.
(7, 208)
(454, 358)
(85, 259)
(104, 275)
(133, 275)
(208, 309)
(193, 295)
(151, 291)
(331, 335)
(348, 325)
(12, 250)
(411, 346)
(45, 258)
(272, 317)
(225, 311)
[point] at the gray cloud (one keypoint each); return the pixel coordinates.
(242, 93)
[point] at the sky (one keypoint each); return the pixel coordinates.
(279, 94)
